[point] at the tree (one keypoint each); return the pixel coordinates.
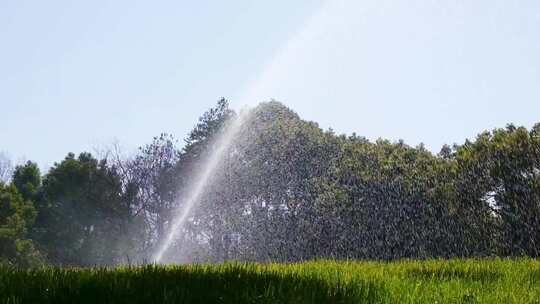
(16, 218)
(210, 224)
(82, 213)
(27, 179)
(499, 174)
(209, 124)
(515, 180)
(283, 190)
(5, 167)
(155, 184)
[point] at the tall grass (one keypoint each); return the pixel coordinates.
(407, 281)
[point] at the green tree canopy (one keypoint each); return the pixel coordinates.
(82, 215)
(27, 179)
(16, 218)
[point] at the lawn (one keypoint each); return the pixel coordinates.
(406, 281)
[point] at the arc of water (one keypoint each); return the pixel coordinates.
(222, 143)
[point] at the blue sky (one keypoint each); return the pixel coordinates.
(75, 75)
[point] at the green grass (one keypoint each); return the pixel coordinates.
(432, 281)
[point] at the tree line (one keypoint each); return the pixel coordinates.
(286, 190)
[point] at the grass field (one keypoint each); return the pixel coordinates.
(434, 281)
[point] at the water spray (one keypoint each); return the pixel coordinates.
(222, 144)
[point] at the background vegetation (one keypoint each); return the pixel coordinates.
(287, 191)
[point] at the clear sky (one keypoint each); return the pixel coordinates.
(79, 74)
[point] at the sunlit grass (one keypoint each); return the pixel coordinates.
(407, 281)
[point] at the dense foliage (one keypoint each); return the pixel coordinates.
(285, 191)
(433, 281)
(16, 216)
